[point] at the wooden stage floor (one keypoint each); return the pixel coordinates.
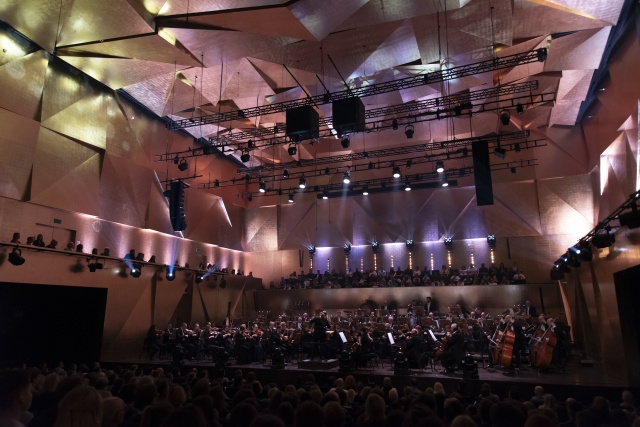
(575, 380)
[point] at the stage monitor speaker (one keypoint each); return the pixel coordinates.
(348, 116)
(176, 206)
(482, 172)
(302, 123)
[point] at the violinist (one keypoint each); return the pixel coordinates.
(453, 351)
(152, 341)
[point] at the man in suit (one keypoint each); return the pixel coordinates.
(430, 306)
(529, 310)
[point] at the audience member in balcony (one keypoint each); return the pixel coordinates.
(131, 255)
(30, 240)
(15, 397)
(80, 248)
(16, 238)
(519, 278)
(53, 244)
(106, 252)
(39, 241)
(70, 247)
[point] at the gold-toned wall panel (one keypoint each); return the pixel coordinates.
(84, 120)
(124, 191)
(66, 174)
(17, 153)
(567, 205)
(261, 229)
(21, 84)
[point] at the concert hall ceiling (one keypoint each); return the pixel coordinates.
(188, 59)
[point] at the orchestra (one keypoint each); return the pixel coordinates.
(423, 335)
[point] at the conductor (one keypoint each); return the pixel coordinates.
(320, 325)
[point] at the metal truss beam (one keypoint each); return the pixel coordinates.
(493, 64)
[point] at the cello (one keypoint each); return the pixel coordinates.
(502, 343)
(542, 344)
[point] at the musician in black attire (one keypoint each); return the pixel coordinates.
(413, 349)
(430, 306)
(519, 345)
(320, 326)
(453, 351)
(152, 341)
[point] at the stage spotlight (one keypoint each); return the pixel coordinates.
(541, 54)
(372, 165)
(444, 183)
(325, 194)
(375, 247)
(345, 142)
(216, 183)
(199, 278)
(409, 244)
(603, 240)
(292, 150)
(465, 152)
(303, 182)
(312, 251)
(183, 165)
(176, 160)
(439, 166)
(346, 177)
(516, 147)
(409, 163)
(585, 251)
(407, 185)
(170, 274)
(136, 271)
(408, 131)
(491, 240)
(572, 259)
(263, 187)
(556, 274)
(365, 190)
(520, 108)
(290, 198)
(505, 117)
(327, 171)
(95, 265)
(347, 248)
(630, 219)
(245, 157)
(513, 170)
(250, 144)
(500, 152)
(396, 172)
(285, 173)
(448, 242)
(15, 257)
(394, 124)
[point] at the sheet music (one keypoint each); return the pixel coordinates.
(342, 337)
(391, 340)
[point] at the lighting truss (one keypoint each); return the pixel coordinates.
(445, 102)
(415, 160)
(387, 152)
(489, 65)
(439, 114)
(381, 185)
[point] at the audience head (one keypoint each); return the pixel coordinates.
(113, 410)
(81, 407)
(309, 414)
(15, 392)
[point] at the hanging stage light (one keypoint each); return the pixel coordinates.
(170, 274)
(439, 166)
(346, 178)
(285, 174)
(263, 187)
(303, 182)
(183, 165)
(245, 157)
(407, 185)
(365, 190)
(292, 150)
(408, 131)
(448, 242)
(345, 142)
(199, 278)
(136, 270)
(491, 240)
(394, 124)
(290, 197)
(347, 248)
(505, 117)
(396, 172)
(325, 194)
(375, 247)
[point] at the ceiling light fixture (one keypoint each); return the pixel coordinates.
(244, 157)
(290, 197)
(345, 142)
(440, 166)
(15, 257)
(394, 124)
(303, 182)
(325, 194)
(505, 117)
(407, 185)
(408, 131)
(346, 178)
(263, 187)
(292, 150)
(520, 108)
(183, 165)
(365, 190)
(500, 152)
(285, 174)
(396, 172)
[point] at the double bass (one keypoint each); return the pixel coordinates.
(502, 345)
(541, 346)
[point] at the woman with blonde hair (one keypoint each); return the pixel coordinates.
(81, 407)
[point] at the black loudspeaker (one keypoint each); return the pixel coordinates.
(302, 123)
(176, 206)
(348, 116)
(482, 172)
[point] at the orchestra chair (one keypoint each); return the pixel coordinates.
(371, 360)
